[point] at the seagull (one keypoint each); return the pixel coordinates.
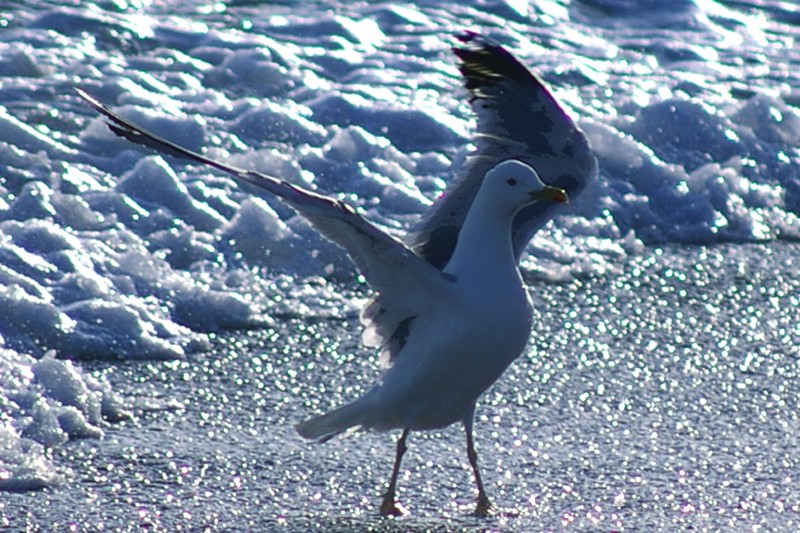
(450, 311)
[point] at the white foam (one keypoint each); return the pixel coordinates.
(46, 403)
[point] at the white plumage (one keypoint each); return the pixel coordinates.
(466, 323)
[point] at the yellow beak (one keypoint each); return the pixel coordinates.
(553, 194)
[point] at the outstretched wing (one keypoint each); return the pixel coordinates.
(406, 284)
(518, 118)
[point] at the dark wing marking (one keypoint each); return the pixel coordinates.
(518, 118)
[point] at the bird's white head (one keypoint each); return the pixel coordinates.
(513, 184)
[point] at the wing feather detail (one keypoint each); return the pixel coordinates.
(518, 118)
(405, 284)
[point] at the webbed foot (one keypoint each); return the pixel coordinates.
(483, 507)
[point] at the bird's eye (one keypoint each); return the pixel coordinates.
(511, 181)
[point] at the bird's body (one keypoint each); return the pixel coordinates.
(457, 352)
(463, 337)
(450, 311)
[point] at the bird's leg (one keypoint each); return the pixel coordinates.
(389, 507)
(483, 506)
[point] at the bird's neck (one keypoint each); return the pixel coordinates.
(484, 248)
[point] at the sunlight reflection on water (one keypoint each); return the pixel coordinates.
(664, 398)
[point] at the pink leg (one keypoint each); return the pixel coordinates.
(483, 506)
(389, 507)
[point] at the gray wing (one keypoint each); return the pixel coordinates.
(406, 284)
(518, 118)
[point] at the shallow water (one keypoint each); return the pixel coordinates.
(663, 398)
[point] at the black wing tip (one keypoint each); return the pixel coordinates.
(477, 42)
(111, 118)
(473, 43)
(465, 36)
(484, 61)
(125, 129)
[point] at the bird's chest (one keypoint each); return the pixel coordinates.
(499, 322)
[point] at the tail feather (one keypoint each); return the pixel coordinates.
(329, 425)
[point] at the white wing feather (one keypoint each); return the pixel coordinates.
(405, 284)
